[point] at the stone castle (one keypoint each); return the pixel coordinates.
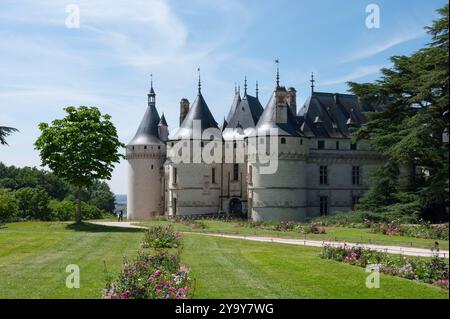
(318, 169)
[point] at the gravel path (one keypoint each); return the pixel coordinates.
(410, 251)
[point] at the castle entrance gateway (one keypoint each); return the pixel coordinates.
(235, 207)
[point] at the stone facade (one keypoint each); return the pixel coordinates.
(319, 171)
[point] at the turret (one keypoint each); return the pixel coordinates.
(163, 129)
(146, 154)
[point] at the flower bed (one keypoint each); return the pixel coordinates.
(158, 276)
(433, 270)
(312, 228)
(161, 237)
(422, 230)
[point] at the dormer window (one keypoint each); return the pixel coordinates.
(283, 140)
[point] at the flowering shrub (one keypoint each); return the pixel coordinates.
(422, 230)
(434, 270)
(284, 226)
(161, 237)
(160, 276)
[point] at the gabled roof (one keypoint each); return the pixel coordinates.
(267, 121)
(198, 112)
(147, 133)
(330, 115)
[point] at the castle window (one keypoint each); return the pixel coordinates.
(283, 140)
(323, 175)
(132, 147)
(234, 145)
(174, 177)
(159, 147)
(301, 141)
(235, 172)
(353, 146)
(151, 167)
(250, 175)
(145, 147)
(320, 145)
(213, 175)
(337, 145)
(356, 179)
(323, 205)
(202, 144)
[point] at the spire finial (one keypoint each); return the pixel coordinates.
(257, 90)
(278, 72)
(235, 88)
(312, 82)
(151, 80)
(199, 82)
(245, 85)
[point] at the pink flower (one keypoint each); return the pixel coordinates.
(158, 272)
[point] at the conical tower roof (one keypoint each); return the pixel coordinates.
(147, 133)
(163, 120)
(268, 120)
(198, 112)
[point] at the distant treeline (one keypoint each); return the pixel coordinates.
(30, 193)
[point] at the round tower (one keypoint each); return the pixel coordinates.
(146, 154)
(278, 193)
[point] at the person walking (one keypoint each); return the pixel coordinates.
(120, 219)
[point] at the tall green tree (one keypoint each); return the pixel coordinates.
(80, 148)
(4, 132)
(413, 97)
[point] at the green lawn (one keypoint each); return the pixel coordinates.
(33, 257)
(354, 235)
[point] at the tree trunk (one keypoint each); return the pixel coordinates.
(78, 213)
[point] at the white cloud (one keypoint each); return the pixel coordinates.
(357, 73)
(378, 48)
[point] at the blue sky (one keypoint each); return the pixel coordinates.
(45, 66)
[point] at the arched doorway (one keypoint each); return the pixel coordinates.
(235, 207)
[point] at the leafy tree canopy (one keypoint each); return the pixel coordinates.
(413, 98)
(80, 148)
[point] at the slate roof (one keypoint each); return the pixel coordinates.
(200, 112)
(147, 133)
(330, 115)
(267, 121)
(163, 120)
(246, 115)
(234, 105)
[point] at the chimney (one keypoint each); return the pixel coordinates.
(292, 100)
(280, 98)
(184, 109)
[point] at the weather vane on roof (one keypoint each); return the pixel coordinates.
(245, 85)
(199, 81)
(278, 72)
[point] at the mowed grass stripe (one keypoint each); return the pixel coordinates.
(33, 258)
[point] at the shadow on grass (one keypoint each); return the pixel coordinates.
(93, 228)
